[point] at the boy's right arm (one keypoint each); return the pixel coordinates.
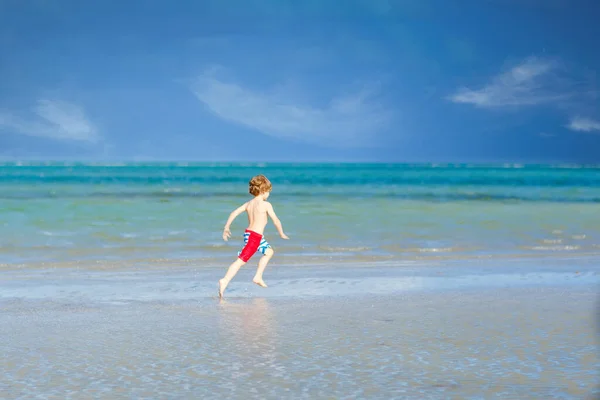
(232, 216)
(276, 221)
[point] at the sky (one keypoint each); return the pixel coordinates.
(291, 81)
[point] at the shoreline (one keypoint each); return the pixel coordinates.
(294, 260)
(192, 283)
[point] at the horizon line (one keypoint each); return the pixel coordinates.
(183, 163)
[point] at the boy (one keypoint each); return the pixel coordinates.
(258, 209)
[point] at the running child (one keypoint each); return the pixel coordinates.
(258, 209)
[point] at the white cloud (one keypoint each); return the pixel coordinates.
(349, 120)
(582, 124)
(529, 83)
(53, 119)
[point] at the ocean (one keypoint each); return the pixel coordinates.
(148, 213)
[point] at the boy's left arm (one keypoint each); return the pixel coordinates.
(276, 221)
(232, 216)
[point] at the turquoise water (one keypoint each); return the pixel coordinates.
(132, 213)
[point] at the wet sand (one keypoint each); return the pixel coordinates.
(65, 335)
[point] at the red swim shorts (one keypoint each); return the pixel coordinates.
(253, 241)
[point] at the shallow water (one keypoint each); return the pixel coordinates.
(64, 212)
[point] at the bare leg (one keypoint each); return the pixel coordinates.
(233, 269)
(262, 264)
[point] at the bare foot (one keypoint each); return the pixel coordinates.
(222, 286)
(259, 282)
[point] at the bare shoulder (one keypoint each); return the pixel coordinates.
(267, 205)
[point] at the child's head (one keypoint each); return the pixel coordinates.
(259, 185)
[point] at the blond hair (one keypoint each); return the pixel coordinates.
(258, 185)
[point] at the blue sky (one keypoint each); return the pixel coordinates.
(259, 80)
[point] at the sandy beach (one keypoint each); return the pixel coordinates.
(368, 331)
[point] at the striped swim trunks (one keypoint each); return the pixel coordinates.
(253, 242)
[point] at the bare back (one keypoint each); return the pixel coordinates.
(257, 214)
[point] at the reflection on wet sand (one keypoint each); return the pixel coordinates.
(249, 331)
(496, 343)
